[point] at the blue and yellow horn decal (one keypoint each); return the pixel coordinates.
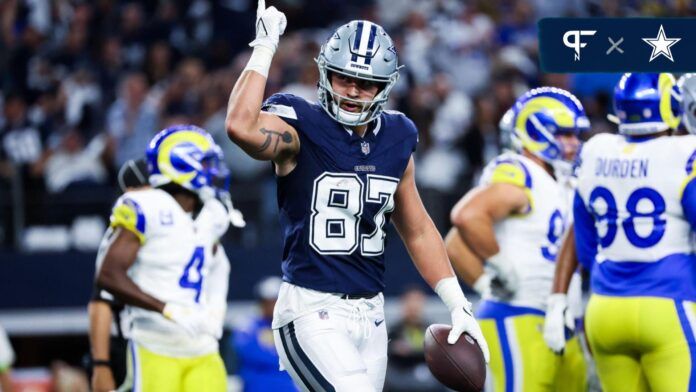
(670, 106)
(183, 154)
(542, 113)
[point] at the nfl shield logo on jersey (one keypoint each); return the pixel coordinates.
(365, 147)
(323, 314)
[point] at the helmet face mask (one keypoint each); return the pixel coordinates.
(687, 90)
(360, 50)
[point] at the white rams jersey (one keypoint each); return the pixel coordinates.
(172, 265)
(529, 242)
(631, 194)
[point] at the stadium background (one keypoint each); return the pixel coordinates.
(85, 85)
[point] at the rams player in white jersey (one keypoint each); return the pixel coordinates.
(161, 263)
(514, 222)
(635, 212)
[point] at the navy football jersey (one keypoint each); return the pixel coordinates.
(336, 203)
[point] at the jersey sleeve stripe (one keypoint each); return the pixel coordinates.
(281, 111)
(686, 319)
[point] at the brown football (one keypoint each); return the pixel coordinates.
(459, 366)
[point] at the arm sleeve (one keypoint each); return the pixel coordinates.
(7, 355)
(128, 214)
(218, 280)
(585, 235)
(99, 294)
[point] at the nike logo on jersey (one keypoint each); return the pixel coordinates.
(378, 322)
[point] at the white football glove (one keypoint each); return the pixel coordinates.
(270, 25)
(558, 322)
(216, 315)
(463, 321)
(460, 310)
(194, 320)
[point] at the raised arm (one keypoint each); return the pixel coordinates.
(428, 253)
(263, 136)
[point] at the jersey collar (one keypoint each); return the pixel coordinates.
(374, 127)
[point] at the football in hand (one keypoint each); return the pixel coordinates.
(459, 366)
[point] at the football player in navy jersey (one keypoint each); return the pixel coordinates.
(344, 170)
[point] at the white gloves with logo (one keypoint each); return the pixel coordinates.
(270, 25)
(194, 320)
(460, 310)
(558, 322)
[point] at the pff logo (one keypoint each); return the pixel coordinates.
(573, 40)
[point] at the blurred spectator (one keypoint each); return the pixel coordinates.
(22, 155)
(418, 39)
(464, 44)
(185, 92)
(21, 141)
(306, 84)
(7, 357)
(111, 65)
(442, 164)
(75, 162)
(134, 67)
(407, 370)
(518, 26)
(253, 344)
(132, 120)
(68, 378)
(133, 35)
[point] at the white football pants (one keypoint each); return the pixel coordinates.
(333, 344)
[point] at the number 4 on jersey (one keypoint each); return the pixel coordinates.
(337, 204)
(192, 277)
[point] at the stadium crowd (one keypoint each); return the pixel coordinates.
(85, 85)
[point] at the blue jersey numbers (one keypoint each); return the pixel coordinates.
(192, 278)
(644, 223)
(338, 201)
(553, 235)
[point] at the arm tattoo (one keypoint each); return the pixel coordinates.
(285, 136)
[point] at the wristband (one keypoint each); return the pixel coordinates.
(260, 60)
(101, 362)
(451, 294)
